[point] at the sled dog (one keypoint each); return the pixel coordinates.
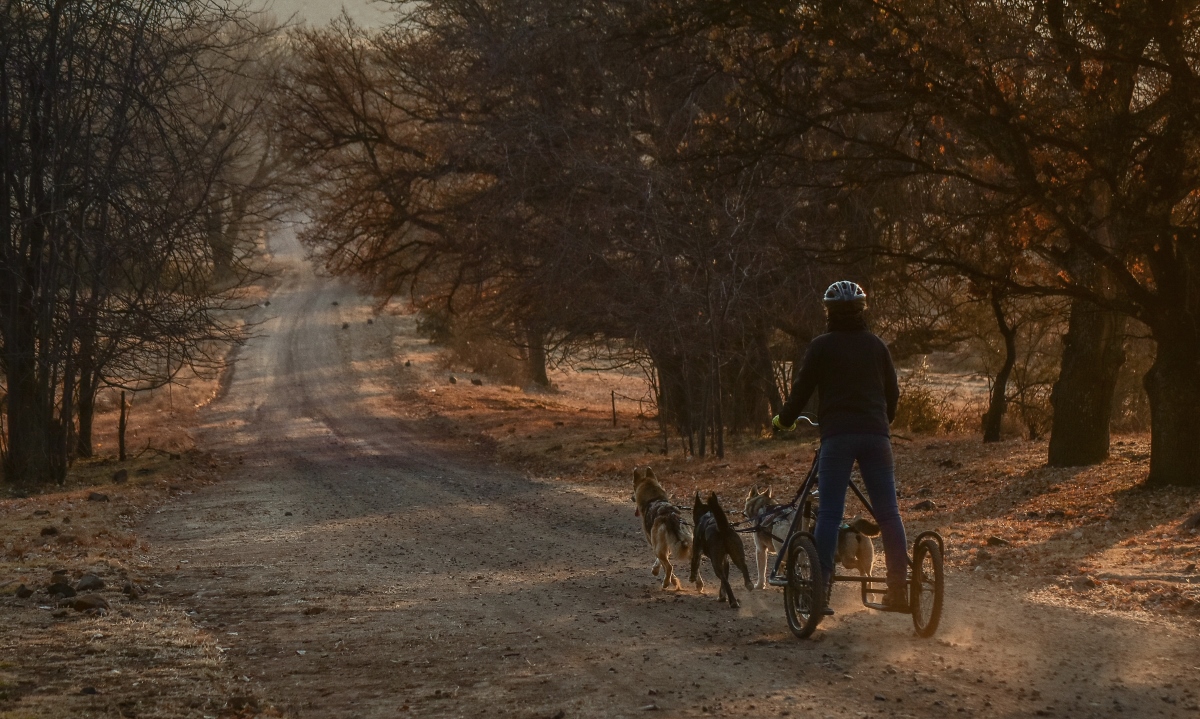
(771, 521)
(663, 524)
(854, 547)
(716, 539)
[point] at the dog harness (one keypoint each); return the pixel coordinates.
(661, 508)
(767, 517)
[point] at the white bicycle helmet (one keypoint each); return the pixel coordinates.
(845, 292)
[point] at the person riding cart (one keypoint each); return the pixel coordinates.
(851, 370)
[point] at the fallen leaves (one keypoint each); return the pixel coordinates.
(1039, 524)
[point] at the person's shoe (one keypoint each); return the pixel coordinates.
(828, 610)
(896, 599)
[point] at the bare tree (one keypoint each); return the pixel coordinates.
(110, 156)
(515, 158)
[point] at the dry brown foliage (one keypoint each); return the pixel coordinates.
(144, 656)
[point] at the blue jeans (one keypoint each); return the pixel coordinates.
(874, 455)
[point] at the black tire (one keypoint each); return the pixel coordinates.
(927, 587)
(804, 594)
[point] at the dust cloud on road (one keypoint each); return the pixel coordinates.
(357, 565)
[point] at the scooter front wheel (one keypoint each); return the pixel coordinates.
(804, 595)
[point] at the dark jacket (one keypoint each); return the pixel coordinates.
(853, 375)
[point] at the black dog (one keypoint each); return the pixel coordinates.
(717, 540)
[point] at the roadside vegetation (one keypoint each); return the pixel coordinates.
(91, 631)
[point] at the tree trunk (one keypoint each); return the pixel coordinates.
(61, 427)
(674, 394)
(765, 374)
(1093, 353)
(658, 403)
(89, 384)
(29, 408)
(57, 458)
(27, 265)
(1173, 384)
(86, 414)
(718, 420)
(28, 439)
(64, 425)
(219, 243)
(122, 423)
(714, 364)
(744, 375)
(537, 357)
(746, 403)
(999, 400)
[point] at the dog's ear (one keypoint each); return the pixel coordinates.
(639, 473)
(864, 526)
(650, 474)
(752, 493)
(768, 492)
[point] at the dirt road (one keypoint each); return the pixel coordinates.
(359, 566)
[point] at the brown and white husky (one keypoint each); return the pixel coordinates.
(663, 523)
(771, 521)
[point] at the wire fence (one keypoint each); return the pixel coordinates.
(642, 403)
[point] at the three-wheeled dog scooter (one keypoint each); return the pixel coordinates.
(798, 570)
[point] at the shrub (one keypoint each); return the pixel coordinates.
(436, 325)
(1131, 404)
(923, 408)
(473, 345)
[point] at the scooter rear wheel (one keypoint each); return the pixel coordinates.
(927, 588)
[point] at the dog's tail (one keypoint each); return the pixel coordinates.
(683, 536)
(714, 506)
(864, 526)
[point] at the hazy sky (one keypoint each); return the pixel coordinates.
(319, 12)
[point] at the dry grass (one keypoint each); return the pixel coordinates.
(1092, 536)
(143, 657)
